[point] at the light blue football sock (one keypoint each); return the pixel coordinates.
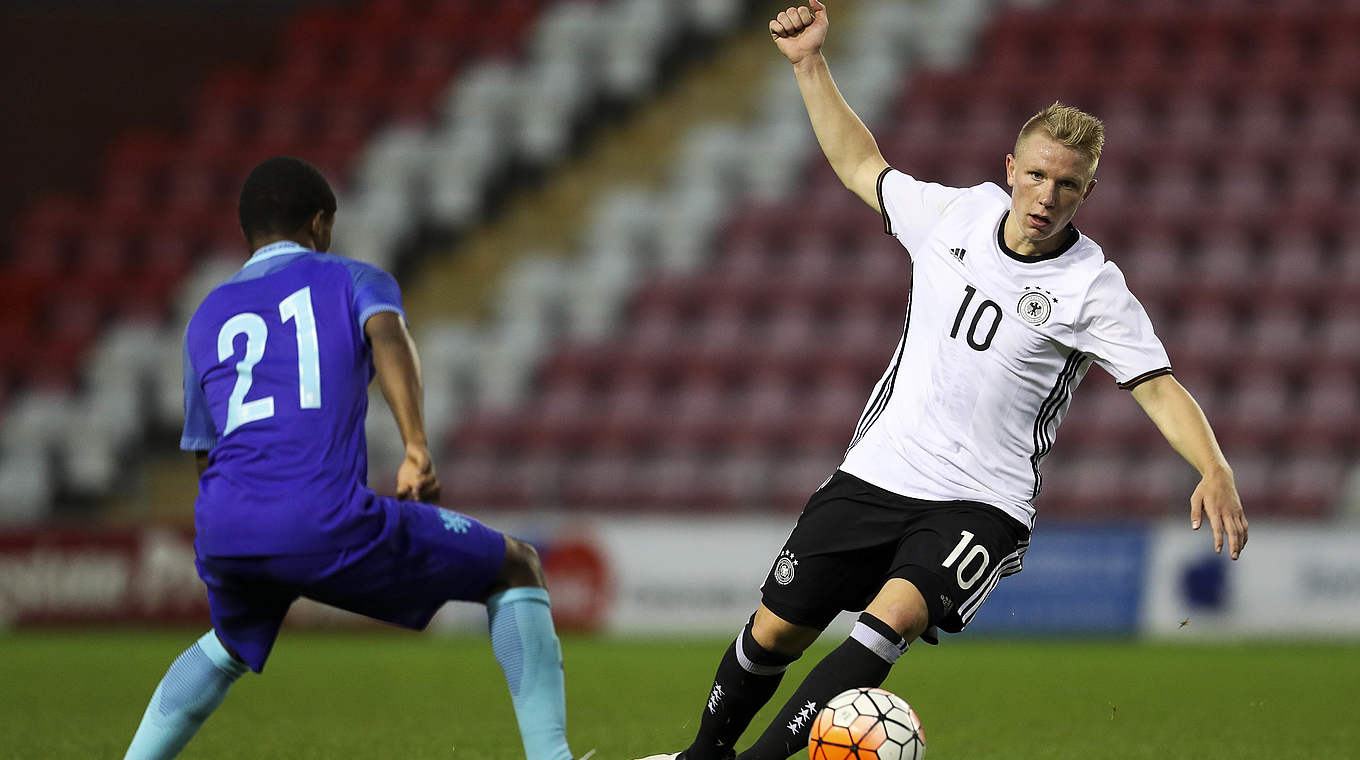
(192, 688)
(526, 646)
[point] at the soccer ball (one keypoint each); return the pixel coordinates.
(867, 724)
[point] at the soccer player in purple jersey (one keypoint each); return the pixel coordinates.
(277, 362)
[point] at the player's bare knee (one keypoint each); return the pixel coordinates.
(779, 635)
(902, 607)
(522, 565)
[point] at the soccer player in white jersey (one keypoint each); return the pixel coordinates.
(934, 503)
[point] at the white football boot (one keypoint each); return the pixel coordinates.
(671, 756)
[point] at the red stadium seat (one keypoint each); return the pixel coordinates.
(1106, 419)
(138, 152)
(1343, 288)
(1330, 122)
(1224, 270)
(1254, 476)
(794, 475)
(828, 412)
(1296, 268)
(627, 410)
(17, 331)
(564, 417)
(482, 480)
(71, 327)
(317, 25)
(1159, 486)
(786, 337)
(1083, 485)
(1152, 268)
(1325, 420)
(1339, 346)
(699, 414)
(1207, 338)
(1315, 180)
(674, 480)
(736, 479)
(608, 480)
(1280, 339)
(1308, 486)
(766, 410)
(861, 337)
(1257, 412)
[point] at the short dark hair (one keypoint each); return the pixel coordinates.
(1070, 126)
(281, 195)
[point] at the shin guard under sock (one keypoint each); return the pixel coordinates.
(192, 688)
(747, 677)
(526, 646)
(864, 659)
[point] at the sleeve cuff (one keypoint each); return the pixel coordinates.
(1143, 378)
(883, 207)
(190, 443)
(378, 309)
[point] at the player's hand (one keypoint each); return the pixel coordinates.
(799, 32)
(416, 480)
(1216, 496)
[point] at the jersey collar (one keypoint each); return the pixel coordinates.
(1072, 237)
(281, 248)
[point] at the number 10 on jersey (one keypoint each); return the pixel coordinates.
(987, 306)
(296, 308)
(978, 557)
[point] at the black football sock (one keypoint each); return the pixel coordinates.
(863, 660)
(747, 677)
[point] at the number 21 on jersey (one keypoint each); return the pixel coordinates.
(296, 308)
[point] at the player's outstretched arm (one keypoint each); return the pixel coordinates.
(398, 369)
(1183, 423)
(848, 144)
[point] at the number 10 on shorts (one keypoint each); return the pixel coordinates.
(977, 555)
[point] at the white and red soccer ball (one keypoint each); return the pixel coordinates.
(867, 724)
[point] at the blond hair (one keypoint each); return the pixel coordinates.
(1070, 126)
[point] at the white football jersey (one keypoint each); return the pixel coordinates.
(995, 343)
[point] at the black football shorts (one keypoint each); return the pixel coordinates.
(853, 536)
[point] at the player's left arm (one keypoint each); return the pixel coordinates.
(200, 434)
(398, 369)
(1186, 428)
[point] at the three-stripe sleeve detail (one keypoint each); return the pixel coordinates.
(1048, 412)
(885, 387)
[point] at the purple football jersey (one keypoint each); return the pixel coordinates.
(276, 374)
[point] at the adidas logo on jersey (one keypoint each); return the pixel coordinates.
(958, 252)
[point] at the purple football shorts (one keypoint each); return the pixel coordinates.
(423, 557)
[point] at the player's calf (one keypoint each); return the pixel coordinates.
(864, 659)
(748, 675)
(526, 646)
(192, 688)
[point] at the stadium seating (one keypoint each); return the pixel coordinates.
(713, 342)
(356, 90)
(752, 368)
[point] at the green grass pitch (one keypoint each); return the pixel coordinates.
(397, 695)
